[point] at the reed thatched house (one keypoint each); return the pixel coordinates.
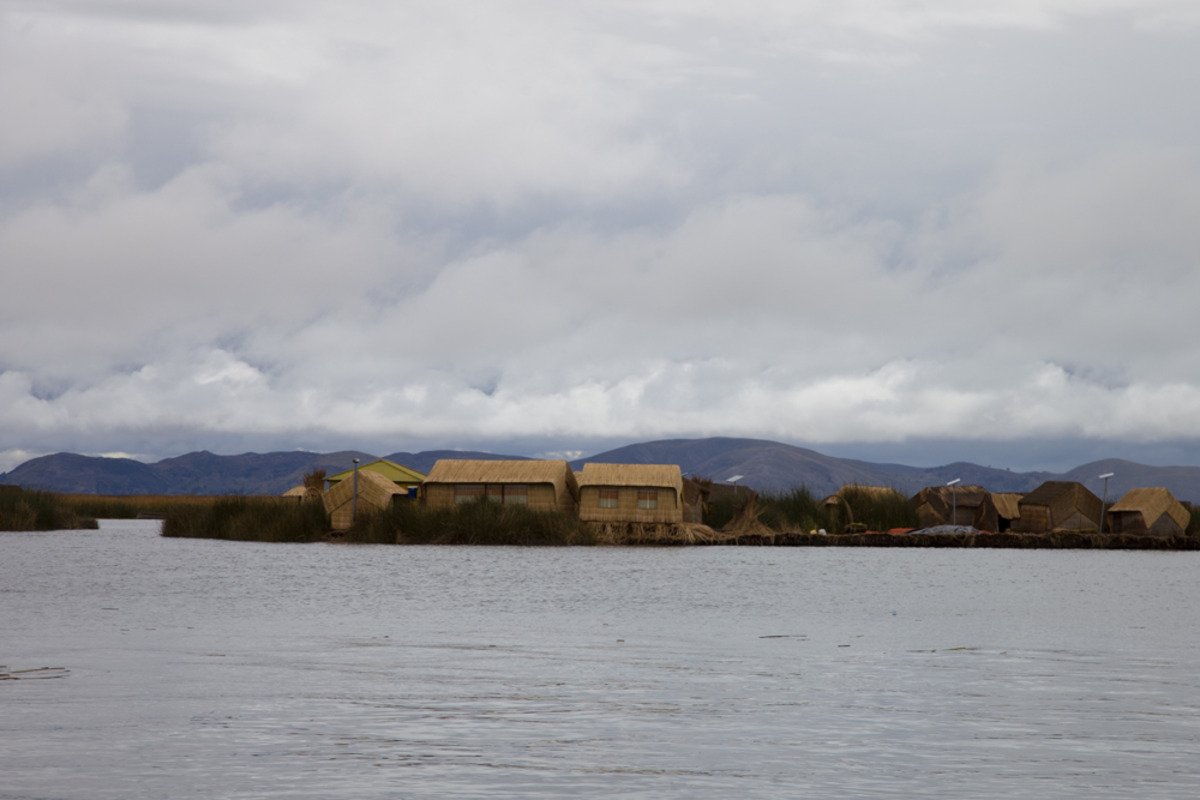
(631, 493)
(1149, 511)
(375, 493)
(408, 479)
(1008, 509)
(297, 493)
(1059, 506)
(971, 506)
(540, 485)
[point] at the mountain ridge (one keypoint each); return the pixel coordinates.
(764, 464)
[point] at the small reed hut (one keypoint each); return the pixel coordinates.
(539, 485)
(971, 506)
(297, 493)
(1154, 511)
(375, 493)
(1008, 509)
(402, 476)
(1059, 506)
(631, 493)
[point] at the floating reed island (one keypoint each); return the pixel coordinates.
(546, 502)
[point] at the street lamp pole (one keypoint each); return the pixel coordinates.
(354, 497)
(954, 500)
(1104, 498)
(733, 479)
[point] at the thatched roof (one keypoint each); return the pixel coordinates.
(1008, 504)
(1050, 491)
(374, 492)
(397, 473)
(858, 488)
(296, 491)
(962, 496)
(1152, 503)
(456, 470)
(666, 476)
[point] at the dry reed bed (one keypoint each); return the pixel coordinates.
(135, 506)
(30, 510)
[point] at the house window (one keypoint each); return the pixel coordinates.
(647, 499)
(467, 492)
(608, 498)
(516, 494)
(495, 492)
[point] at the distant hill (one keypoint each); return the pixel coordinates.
(772, 466)
(765, 465)
(68, 472)
(194, 473)
(201, 472)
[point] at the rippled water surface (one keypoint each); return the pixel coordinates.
(142, 667)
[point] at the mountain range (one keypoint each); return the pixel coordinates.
(763, 465)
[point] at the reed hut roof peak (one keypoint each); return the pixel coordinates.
(1152, 503)
(397, 473)
(1008, 504)
(466, 470)
(649, 475)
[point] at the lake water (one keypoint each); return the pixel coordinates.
(204, 669)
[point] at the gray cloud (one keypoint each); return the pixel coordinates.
(285, 224)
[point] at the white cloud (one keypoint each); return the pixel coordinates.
(844, 222)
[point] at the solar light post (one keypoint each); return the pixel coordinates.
(1104, 498)
(733, 479)
(954, 500)
(354, 497)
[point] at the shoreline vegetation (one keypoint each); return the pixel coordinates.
(790, 519)
(30, 510)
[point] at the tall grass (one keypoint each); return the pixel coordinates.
(863, 509)
(132, 506)
(880, 511)
(257, 519)
(795, 510)
(480, 523)
(28, 510)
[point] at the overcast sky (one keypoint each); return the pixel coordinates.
(929, 230)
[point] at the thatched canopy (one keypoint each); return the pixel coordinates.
(556, 473)
(861, 490)
(660, 476)
(396, 473)
(1008, 504)
(375, 492)
(296, 491)
(1150, 509)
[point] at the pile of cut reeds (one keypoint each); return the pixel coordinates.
(655, 533)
